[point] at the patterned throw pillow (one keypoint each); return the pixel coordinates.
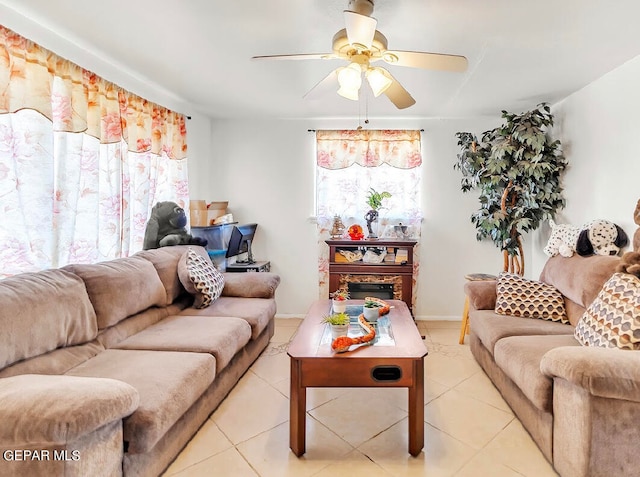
(200, 278)
(518, 296)
(613, 318)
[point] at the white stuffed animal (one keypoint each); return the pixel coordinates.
(599, 237)
(563, 239)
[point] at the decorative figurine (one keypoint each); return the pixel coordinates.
(338, 227)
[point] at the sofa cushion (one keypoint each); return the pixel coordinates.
(519, 357)
(165, 261)
(120, 288)
(41, 312)
(518, 296)
(200, 278)
(168, 384)
(490, 327)
(222, 337)
(258, 312)
(613, 318)
(579, 278)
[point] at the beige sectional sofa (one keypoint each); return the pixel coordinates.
(580, 404)
(107, 369)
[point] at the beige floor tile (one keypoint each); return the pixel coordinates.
(283, 333)
(270, 455)
(448, 370)
(316, 397)
(432, 390)
(252, 407)
(227, 463)
(515, 449)
(442, 455)
(484, 466)
(470, 421)
(480, 387)
(354, 464)
(272, 365)
(208, 442)
(359, 415)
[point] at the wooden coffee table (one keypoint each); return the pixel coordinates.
(397, 360)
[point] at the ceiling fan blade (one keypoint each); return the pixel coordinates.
(329, 83)
(428, 61)
(303, 56)
(360, 28)
(399, 96)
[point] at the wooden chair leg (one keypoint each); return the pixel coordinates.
(464, 327)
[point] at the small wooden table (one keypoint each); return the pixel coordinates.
(397, 362)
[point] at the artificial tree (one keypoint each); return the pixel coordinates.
(517, 169)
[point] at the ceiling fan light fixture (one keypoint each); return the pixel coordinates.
(350, 77)
(349, 93)
(378, 80)
(360, 29)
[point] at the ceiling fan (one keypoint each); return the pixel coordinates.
(361, 45)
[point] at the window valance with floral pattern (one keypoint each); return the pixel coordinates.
(77, 100)
(368, 148)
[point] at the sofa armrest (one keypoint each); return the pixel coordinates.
(481, 294)
(251, 284)
(44, 409)
(604, 372)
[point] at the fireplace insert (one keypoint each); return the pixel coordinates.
(360, 290)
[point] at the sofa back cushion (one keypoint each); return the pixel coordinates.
(165, 260)
(579, 278)
(121, 288)
(42, 311)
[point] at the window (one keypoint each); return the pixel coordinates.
(349, 164)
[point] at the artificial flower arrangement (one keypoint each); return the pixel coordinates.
(340, 294)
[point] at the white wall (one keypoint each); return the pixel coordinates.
(265, 169)
(599, 127)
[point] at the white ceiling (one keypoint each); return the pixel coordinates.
(520, 52)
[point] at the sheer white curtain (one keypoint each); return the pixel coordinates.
(66, 198)
(350, 163)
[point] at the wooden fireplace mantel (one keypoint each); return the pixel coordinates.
(340, 268)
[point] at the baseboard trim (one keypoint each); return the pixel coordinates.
(438, 318)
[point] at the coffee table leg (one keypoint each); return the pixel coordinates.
(416, 409)
(297, 410)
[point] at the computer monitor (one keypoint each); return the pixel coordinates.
(240, 242)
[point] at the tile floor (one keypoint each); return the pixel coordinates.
(469, 430)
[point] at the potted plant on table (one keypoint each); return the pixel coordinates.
(339, 323)
(371, 310)
(517, 167)
(339, 303)
(374, 201)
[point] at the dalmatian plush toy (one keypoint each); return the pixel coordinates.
(599, 237)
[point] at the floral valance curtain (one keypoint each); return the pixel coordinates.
(368, 148)
(77, 100)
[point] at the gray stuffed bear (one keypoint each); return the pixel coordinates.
(167, 226)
